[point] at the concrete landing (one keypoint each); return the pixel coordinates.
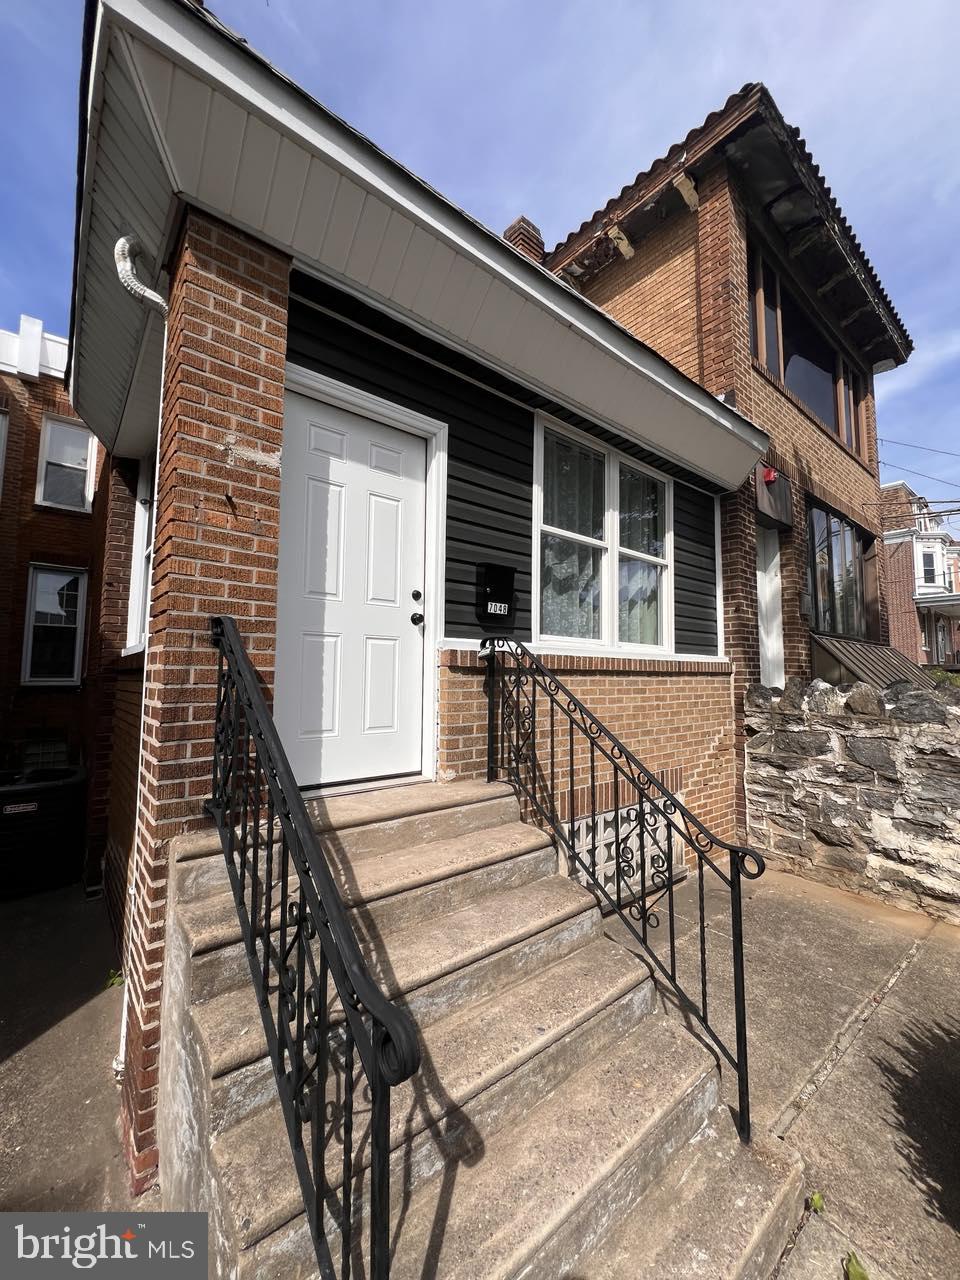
(854, 1060)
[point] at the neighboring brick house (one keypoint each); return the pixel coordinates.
(923, 578)
(51, 470)
(731, 258)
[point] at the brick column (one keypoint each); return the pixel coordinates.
(215, 551)
(725, 345)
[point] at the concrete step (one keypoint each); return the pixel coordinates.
(459, 958)
(721, 1211)
(529, 1156)
(548, 1189)
(363, 822)
(572, 1008)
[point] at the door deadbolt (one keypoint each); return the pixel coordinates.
(416, 595)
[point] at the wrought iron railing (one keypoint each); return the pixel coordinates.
(578, 778)
(336, 1042)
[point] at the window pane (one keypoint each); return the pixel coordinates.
(641, 512)
(929, 574)
(569, 588)
(68, 445)
(55, 625)
(809, 361)
(639, 602)
(820, 538)
(771, 333)
(573, 496)
(752, 300)
(65, 485)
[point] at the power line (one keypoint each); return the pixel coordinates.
(936, 479)
(948, 453)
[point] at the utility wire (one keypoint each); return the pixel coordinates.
(936, 479)
(948, 453)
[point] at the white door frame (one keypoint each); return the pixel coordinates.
(318, 386)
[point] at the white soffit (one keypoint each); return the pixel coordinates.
(241, 142)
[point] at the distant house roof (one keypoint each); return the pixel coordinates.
(750, 131)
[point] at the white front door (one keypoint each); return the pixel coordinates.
(769, 608)
(349, 680)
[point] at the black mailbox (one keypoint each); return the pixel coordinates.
(496, 598)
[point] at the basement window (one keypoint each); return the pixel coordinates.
(65, 473)
(794, 349)
(53, 639)
(603, 555)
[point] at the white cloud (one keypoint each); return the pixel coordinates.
(931, 359)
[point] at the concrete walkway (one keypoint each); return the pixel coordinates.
(854, 1060)
(59, 1030)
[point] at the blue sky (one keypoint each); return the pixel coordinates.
(548, 108)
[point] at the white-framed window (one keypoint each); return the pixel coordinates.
(67, 466)
(603, 546)
(142, 558)
(53, 634)
(3, 448)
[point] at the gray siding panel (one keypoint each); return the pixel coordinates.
(490, 462)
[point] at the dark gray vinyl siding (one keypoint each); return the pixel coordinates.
(490, 460)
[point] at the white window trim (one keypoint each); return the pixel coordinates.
(4, 421)
(141, 559)
(608, 644)
(63, 681)
(49, 420)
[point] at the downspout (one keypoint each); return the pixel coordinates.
(126, 250)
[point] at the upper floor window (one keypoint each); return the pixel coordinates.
(929, 567)
(53, 636)
(793, 348)
(68, 457)
(838, 550)
(604, 546)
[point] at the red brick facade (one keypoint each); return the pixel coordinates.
(674, 715)
(34, 534)
(215, 551)
(685, 292)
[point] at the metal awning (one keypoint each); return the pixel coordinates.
(878, 664)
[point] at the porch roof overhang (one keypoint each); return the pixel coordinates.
(177, 110)
(946, 603)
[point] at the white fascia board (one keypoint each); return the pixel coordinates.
(51, 354)
(189, 40)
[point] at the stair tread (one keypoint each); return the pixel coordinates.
(498, 1211)
(572, 1139)
(363, 808)
(230, 1025)
(706, 1216)
(371, 876)
(212, 922)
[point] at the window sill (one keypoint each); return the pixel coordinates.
(59, 506)
(132, 649)
(811, 417)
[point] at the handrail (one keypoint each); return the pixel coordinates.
(294, 947)
(646, 820)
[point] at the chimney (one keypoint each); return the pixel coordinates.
(523, 235)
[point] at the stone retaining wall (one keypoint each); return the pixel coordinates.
(859, 789)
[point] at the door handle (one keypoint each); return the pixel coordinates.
(416, 619)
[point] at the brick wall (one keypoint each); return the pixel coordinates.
(691, 274)
(35, 534)
(215, 551)
(122, 794)
(676, 716)
(114, 509)
(905, 632)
